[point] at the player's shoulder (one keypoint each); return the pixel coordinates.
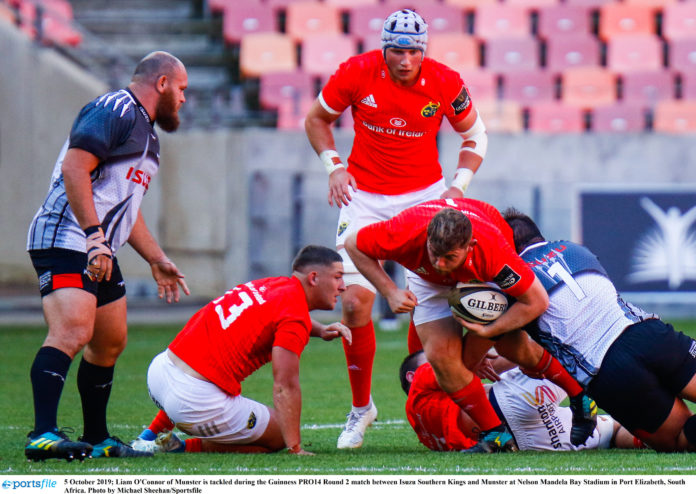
(119, 104)
(432, 67)
(368, 61)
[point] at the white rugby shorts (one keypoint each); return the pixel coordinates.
(432, 299)
(201, 409)
(366, 208)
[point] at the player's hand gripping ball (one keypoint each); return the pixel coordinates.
(477, 302)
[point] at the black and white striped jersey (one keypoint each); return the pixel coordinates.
(116, 129)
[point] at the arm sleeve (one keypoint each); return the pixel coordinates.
(459, 99)
(99, 130)
(339, 91)
(292, 332)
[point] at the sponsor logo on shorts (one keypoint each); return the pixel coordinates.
(692, 350)
(251, 423)
(541, 395)
(45, 280)
(342, 227)
(506, 278)
(461, 102)
(430, 109)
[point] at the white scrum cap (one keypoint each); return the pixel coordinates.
(405, 29)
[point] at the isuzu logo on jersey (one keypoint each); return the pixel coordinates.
(430, 109)
(138, 177)
(461, 102)
(398, 122)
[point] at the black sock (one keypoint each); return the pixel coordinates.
(47, 379)
(94, 384)
(690, 430)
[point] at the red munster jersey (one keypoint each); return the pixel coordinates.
(232, 336)
(394, 150)
(493, 258)
(433, 415)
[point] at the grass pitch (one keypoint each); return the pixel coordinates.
(391, 448)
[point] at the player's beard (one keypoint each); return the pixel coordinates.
(167, 112)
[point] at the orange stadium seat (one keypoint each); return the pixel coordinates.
(675, 117)
(482, 85)
(305, 19)
(458, 51)
(555, 118)
(588, 87)
(365, 22)
(563, 20)
(501, 21)
(688, 86)
(634, 52)
(443, 18)
(682, 55)
(511, 54)
(240, 20)
(679, 21)
(56, 22)
(529, 87)
(323, 53)
(276, 87)
(619, 19)
(501, 116)
(619, 117)
(261, 53)
(647, 88)
(573, 50)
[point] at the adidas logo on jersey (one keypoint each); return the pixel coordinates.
(369, 101)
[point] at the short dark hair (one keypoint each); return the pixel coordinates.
(449, 229)
(524, 231)
(154, 65)
(312, 255)
(409, 364)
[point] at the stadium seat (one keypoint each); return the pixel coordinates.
(563, 20)
(261, 53)
(593, 4)
(468, 4)
(323, 53)
(56, 22)
(247, 18)
(408, 4)
(682, 55)
(688, 86)
(276, 87)
(634, 52)
(588, 87)
(679, 21)
(619, 117)
(365, 22)
(619, 19)
(501, 21)
(533, 4)
(511, 54)
(501, 116)
(219, 6)
(458, 51)
(529, 87)
(656, 4)
(291, 114)
(675, 117)
(443, 18)
(647, 88)
(482, 85)
(303, 19)
(349, 4)
(572, 50)
(555, 118)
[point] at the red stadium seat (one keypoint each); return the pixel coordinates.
(365, 22)
(588, 87)
(323, 53)
(563, 20)
(458, 51)
(555, 118)
(409, 4)
(276, 87)
(617, 19)
(468, 4)
(682, 55)
(291, 114)
(305, 19)
(634, 52)
(679, 21)
(655, 4)
(647, 88)
(675, 117)
(533, 4)
(511, 54)
(529, 87)
(261, 53)
(56, 22)
(349, 4)
(247, 18)
(573, 50)
(442, 18)
(594, 4)
(482, 85)
(617, 118)
(219, 6)
(688, 86)
(501, 21)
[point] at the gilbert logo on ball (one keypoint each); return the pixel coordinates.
(477, 302)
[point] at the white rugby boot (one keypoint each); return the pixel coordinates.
(354, 430)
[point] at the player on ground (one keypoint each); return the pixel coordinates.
(443, 242)
(635, 366)
(92, 209)
(530, 407)
(197, 380)
(398, 99)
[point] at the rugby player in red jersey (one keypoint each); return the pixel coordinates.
(398, 99)
(196, 382)
(444, 242)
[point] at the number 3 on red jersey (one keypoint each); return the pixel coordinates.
(235, 310)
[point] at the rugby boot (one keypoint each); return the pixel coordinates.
(356, 424)
(55, 444)
(497, 440)
(113, 447)
(584, 411)
(168, 442)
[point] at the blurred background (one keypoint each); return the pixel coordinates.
(590, 107)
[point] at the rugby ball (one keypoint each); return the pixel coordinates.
(477, 302)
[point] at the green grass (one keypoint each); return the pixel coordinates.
(390, 446)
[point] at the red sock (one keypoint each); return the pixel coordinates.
(160, 423)
(473, 400)
(552, 370)
(360, 357)
(193, 445)
(414, 342)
